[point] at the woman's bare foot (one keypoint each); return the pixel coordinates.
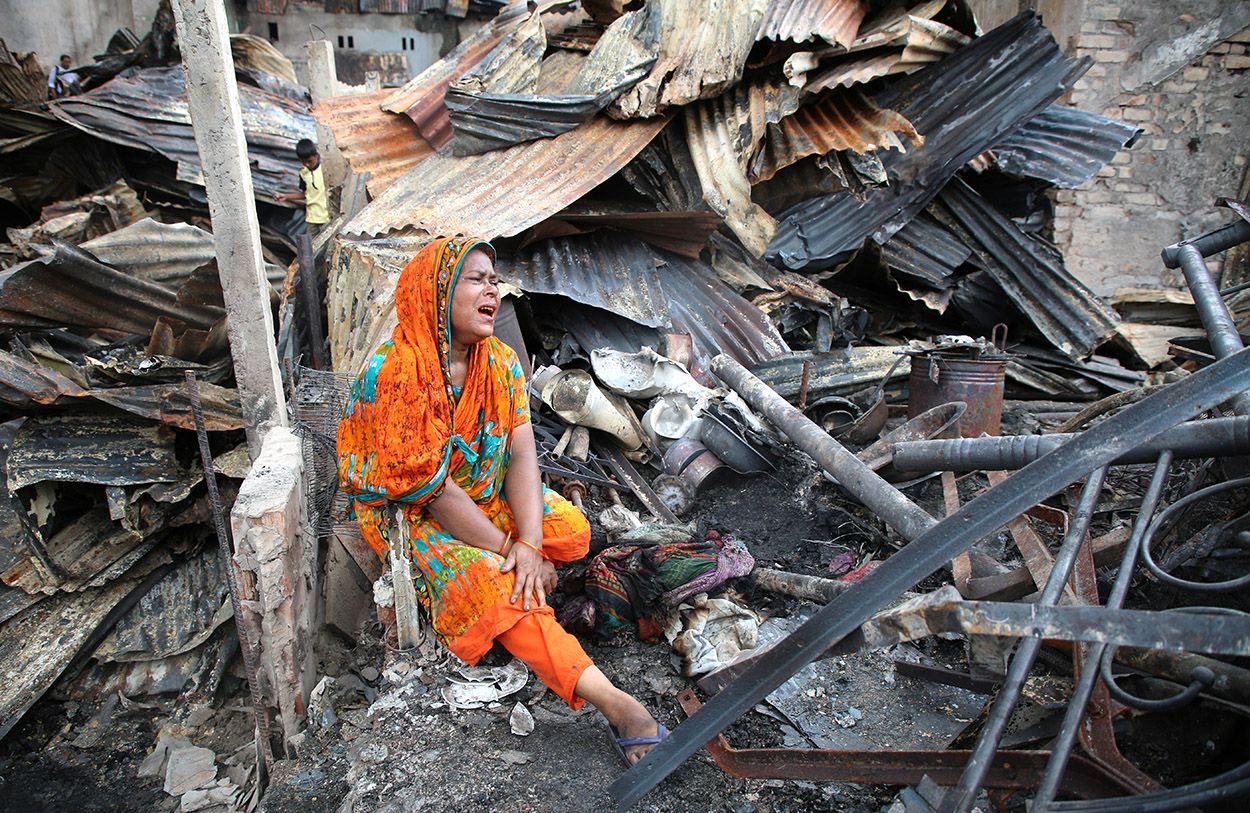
(629, 717)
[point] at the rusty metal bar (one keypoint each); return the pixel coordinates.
(1095, 448)
(900, 513)
(226, 551)
(962, 798)
(1061, 750)
(1017, 770)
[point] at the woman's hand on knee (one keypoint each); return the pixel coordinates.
(548, 577)
(528, 564)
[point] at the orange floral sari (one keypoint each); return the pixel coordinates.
(406, 429)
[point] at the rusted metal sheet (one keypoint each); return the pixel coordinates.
(72, 288)
(168, 404)
(962, 105)
(1033, 275)
(1064, 146)
(902, 42)
(703, 48)
(161, 252)
(846, 120)
(628, 280)
(148, 111)
(177, 615)
(24, 383)
(22, 81)
(99, 449)
(598, 269)
(421, 99)
(926, 251)
(497, 104)
(723, 135)
(479, 194)
(250, 51)
(684, 233)
(382, 144)
(37, 644)
(664, 173)
(802, 20)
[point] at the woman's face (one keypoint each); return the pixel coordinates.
(475, 300)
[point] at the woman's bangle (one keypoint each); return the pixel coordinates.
(503, 549)
(537, 549)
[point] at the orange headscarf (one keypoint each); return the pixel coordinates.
(403, 431)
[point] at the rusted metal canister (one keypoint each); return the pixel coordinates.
(938, 379)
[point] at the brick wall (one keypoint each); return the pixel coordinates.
(1194, 148)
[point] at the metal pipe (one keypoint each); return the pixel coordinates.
(1216, 437)
(1061, 751)
(965, 793)
(900, 513)
(1218, 322)
(1210, 243)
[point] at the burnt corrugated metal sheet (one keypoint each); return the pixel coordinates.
(926, 251)
(178, 614)
(24, 383)
(1033, 275)
(1064, 146)
(391, 6)
(599, 269)
(22, 81)
(631, 280)
(482, 194)
(900, 44)
(962, 106)
(684, 233)
(99, 449)
(723, 135)
(37, 644)
(664, 173)
(846, 120)
(372, 140)
(161, 252)
(801, 20)
(148, 111)
(73, 288)
(703, 48)
(168, 404)
(497, 104)
(250, 51)
(421, 99)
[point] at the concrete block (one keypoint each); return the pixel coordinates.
(1195, 74)
(275, 555)
(1137, 114)
(1111, 55)
(1106, 172)
(1141, 198)
(189, 768)
(1234, 62)
(1125, 172)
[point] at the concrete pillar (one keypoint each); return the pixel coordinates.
(275, 558)
(323, 82)
(213, 98)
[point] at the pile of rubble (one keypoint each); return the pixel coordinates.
(112, 582)
(728, 244)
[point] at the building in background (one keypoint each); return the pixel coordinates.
(396, 38)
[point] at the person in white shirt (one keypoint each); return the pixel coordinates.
(61, 80)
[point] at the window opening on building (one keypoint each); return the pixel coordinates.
(273, 32)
